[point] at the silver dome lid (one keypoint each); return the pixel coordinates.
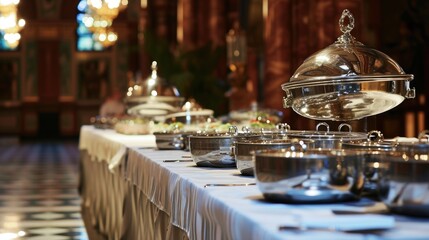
(153, 96)
(153, 86)
(346, 81)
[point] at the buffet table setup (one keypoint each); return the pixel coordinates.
(160, 194)
(173, 171)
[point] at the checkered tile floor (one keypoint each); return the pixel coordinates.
(38, 192)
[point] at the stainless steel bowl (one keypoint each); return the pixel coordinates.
(347, 81)
(374, 145)
(174, 140)
(244, 150)
(404, 179)
(312, 176)
(214, 149)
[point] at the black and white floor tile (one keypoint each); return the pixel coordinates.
(38, 192)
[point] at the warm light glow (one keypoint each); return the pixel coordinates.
(107, 8)
(151, 82)
(7, 21)
(187, 106)
(320, 59)
(12, 39)
(21, 22)
(8, 2)
(10, 25)
(12, 235)
(180, 21)
(112, 37)
(8, 6)
(99, 18)
(143, 4)
(106, 37)
(410, 127)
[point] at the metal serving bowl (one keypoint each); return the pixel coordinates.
(312, 176)
(404, 178)
(172, 140)
(374, 142)
(244, 150)
(215, 149)
(374, 145)
(347, 81)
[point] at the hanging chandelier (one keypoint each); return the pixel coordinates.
(106, 37)
(8, 6)
(10, 25)
(99, 18)
(96, 22)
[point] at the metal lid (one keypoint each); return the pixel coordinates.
(153, 97)
(347, 60)
(327, 135)
(347, 81)
(375, 142)
(153, 87)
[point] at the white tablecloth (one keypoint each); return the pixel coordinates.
(239, 212)
(178, 191)
(109, 146)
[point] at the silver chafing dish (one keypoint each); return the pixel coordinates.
(214, 149)
(309, 176)
(374, 142)
(404, 177)
(172, 140)
(153, 97)
(191, 114)
(347, 81)
(244, 150)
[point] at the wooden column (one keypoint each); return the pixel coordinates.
(217, 22)
(202, 16)
(189, 23)
(144, 59)
(278, 49)
(48, 71)
(217, 32)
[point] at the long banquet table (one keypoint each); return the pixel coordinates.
(131, 190)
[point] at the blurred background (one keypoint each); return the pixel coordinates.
(54, 78)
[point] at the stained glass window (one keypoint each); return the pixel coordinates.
(85, 41)
(3, 44)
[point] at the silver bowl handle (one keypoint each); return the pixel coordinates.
(233, 130)
(411, 93)
(283, 127)
(287, 102)
(245, 129)
(340, 127)
(322, 124)
(375, 136)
